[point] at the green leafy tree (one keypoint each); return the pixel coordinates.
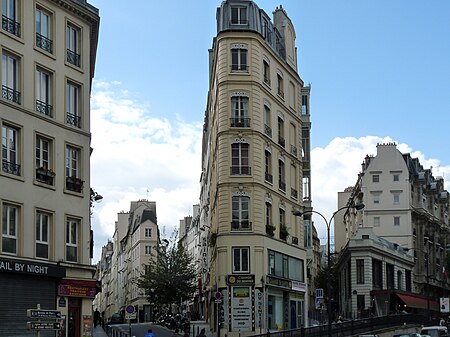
(170, 276)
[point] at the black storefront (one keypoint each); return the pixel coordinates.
(24, 285)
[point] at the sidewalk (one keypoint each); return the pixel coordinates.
(196, 326)
(99, 332)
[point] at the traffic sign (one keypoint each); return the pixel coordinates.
(37, 313)
(44, 325)
(130, 312)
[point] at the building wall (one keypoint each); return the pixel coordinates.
(19, 110)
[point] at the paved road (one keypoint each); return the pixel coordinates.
(140, 329)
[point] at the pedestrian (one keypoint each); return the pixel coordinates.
(202, 333)
(96, 317)
(149, 333)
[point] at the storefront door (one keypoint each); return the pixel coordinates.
(73, 320)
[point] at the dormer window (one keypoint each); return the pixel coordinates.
(239, 15)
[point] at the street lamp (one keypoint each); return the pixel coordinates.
(328, 223)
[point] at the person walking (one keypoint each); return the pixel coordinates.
(149, 333)
(202, 333)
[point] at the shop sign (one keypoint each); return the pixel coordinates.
(241, 309)
(31, 268)
(275, 281)
(77, 288)
(241, 279)
(298, 286)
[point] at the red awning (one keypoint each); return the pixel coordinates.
(418, 302)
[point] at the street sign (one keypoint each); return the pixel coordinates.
(37, 313)
(130, 312)
(44, 325)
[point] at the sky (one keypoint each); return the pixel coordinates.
(379, 72)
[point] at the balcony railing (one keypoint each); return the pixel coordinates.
(73, 120)
(240, 170)
(11, 168)
(244, 225)
(74, 184)
(293, 150)
(282, 185)
(280, 93)
(10, 26)
(281, 141)
(44, 43)
(267, 80)
(294, 193)
(239, 67)
(268, 177)
(11, 94)
(45, 176)
(242, 122)
(73, 58)
(268, 130)
(44, 108)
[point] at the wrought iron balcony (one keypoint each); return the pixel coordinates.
(267, 80)
(268, 130)
(10, 26)
(74, 184)
(281, 141)
(73, 120)
(240, 170)
(241, 122)
(44, 108)
(11, 94)
(45, 176)
(293, 150)
(282, 185)
(280, 93)
(239, 67)
(73, 58)
(268, 177)
(44, 43)
(10, 167)
(243, 225)
(294, 193)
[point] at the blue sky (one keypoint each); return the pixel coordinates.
(379, 71)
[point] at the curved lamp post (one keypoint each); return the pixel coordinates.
(328, 223)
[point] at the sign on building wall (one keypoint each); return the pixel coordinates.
(241, 309)
(444, 304)
(259, 309)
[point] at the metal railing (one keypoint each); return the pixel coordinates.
(10, 26)
(44, 43)
(44, 108)
(73, 120)
(73, 58)
(10, 94)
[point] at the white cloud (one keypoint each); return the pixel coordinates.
(139, 156)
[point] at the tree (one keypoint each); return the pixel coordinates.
(169, 277)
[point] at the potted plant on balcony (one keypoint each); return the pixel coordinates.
(283, 232)
(45, 175)
(270, 230)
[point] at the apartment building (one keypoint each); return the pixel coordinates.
(48, 50)
(255, 172)
(408, 206)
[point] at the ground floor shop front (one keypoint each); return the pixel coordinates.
(39, 294)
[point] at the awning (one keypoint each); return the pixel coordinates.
(418, 302)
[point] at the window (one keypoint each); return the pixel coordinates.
(268, 166)
(43, 30)
(376, 196)
(390, 280)
(10, 147)
(43, 92)
(377, 274)
(239, 59)
(360, 271)
(73, 181)
(376, 178)
(239, 111)
(396, 197)
(72, 41)
(238, 15)
(286, 266)
(42, 234)
(9, 17)
(293, 138)
(396, 177)
(148, 250)
(360, 302)
(281, 139)
(281, 175)
(396, 221)
(268, 214)
(294, 192)
(399, 279)
(408, 279)
(240, 213)
(280, 86)
(44, 165)
(306, 187)
(72, 227)
(241, 259)
(239, 159)
(72, 102)
(292, 95)
(267, 123)
(304, 105)
(148, 232)
(10, 226)
(266, 70)
(376, 221)
(10, 78)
